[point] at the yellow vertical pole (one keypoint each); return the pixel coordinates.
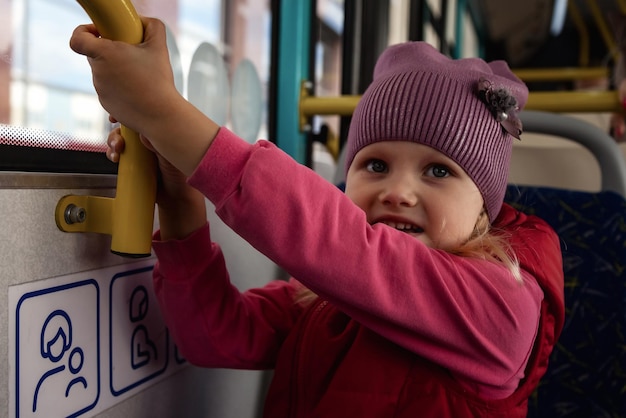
(574, 13)
(129, 217)
(603, 28)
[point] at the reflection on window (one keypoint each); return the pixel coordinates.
(47, 98)
(50, 101)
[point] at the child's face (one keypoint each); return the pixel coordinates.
(417, 189)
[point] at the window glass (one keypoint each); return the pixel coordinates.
(47, 99)
(328, 63)
(50, 101)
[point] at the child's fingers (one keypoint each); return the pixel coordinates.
(115, 145)
(85, 40)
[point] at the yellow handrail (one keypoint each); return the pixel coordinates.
(566, 101)
(129, 217)
(602, 26)
(561, 73)
(574, 101)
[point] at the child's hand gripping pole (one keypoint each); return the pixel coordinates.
(129, 217)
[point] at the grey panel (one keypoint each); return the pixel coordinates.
(33, 249)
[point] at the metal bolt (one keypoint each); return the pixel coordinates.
(75, 214)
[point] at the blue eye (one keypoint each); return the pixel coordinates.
(376, 166)
(439, 171)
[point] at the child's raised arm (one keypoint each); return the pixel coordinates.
(136, 86)
(182, 208)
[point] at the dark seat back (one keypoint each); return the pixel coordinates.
(586, 376)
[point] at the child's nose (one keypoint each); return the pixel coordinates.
(400, 191)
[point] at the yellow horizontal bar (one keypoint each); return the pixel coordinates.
(576, 102)
(566, 101)
(338, 105)
(561, 74)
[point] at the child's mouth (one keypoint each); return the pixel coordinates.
(404, 227)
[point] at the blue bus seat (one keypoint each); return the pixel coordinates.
(586, 375)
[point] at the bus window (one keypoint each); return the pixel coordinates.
(50, 117)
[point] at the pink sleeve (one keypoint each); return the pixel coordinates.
(468, 315)
(213, 323)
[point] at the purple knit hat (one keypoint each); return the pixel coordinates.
(465, 108)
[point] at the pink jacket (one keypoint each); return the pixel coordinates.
(390, 308)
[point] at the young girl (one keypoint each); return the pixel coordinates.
(418, 292)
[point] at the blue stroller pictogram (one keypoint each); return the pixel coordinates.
(138, 344)
(142, 348)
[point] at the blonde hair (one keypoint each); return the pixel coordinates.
(485, 243)
(491, 244)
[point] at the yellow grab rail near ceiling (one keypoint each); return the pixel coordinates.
(603, 28)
